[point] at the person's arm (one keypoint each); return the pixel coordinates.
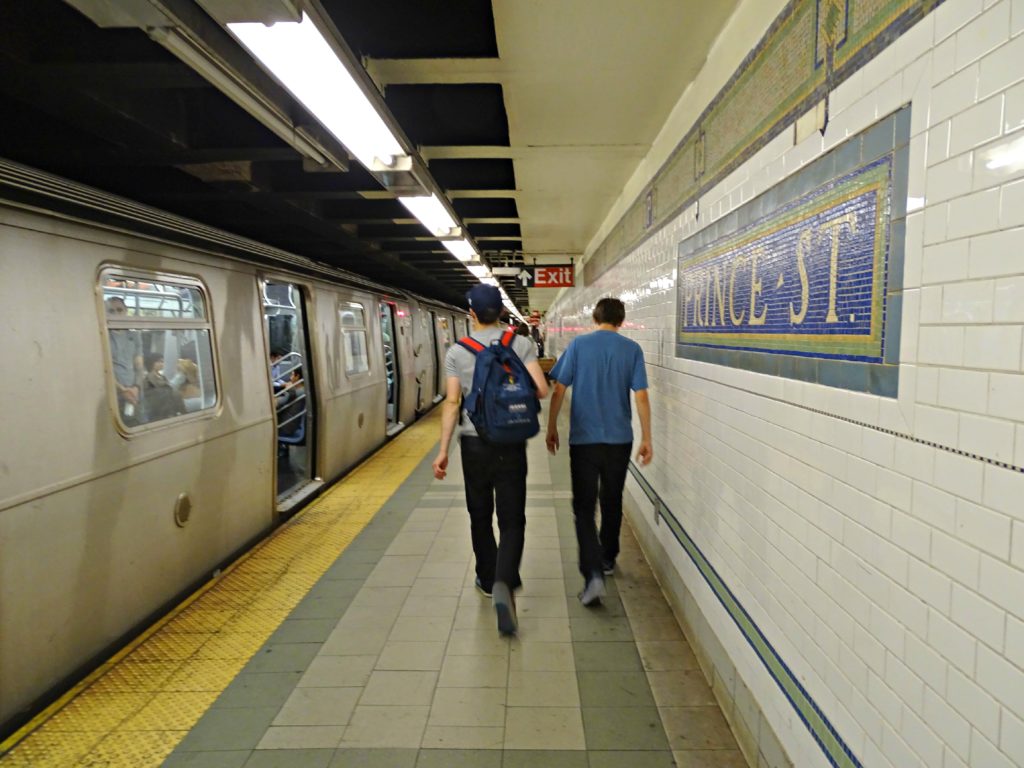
(538, 378)
(557, 396)
(643, 410)
(449, 417)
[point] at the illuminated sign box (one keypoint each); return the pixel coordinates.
(802, 282)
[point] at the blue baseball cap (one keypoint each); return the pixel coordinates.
(483, 297)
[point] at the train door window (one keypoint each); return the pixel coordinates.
(160, 340)
(387, 332)
(352, 318)
(291, 379)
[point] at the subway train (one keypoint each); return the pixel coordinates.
(166, 405)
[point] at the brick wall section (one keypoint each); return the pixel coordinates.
(887, 572)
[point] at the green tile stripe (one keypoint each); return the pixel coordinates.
(835, 749)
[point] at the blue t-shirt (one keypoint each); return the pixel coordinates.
(603, 367)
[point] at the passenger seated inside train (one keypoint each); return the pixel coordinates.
(291, 412)
(159, 399)
(126, 361)
(188, 374)
(275, 367)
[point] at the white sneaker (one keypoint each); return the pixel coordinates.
(594, 591)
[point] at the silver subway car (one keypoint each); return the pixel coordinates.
(166, 405)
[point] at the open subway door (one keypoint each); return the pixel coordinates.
(291, 377)
(389, 344)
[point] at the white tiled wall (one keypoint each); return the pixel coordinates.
(889, 574)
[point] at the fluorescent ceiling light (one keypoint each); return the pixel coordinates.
(479, 270)
(460, 249)
(298, 55)
(431, 214)
(489, 281)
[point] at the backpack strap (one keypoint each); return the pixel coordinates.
(471, 344)
(506, 338)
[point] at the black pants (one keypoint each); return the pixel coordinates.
(598, 470)
(495, 476)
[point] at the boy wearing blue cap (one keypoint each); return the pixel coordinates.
(494, 474)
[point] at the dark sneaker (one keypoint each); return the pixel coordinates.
(505, 608)
(480, 588)
(594, 591)
(608, 567)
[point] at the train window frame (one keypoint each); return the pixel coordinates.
(345, 329)
(193, 292)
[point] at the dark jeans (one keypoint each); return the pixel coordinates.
(495, 476)
(598, 470)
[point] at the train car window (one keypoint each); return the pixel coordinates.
(353, 327)
(161, 346)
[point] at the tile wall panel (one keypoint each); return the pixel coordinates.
(877, 543)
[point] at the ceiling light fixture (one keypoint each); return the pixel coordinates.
(305, 63)
(431, 214)
(479, 270)
(462, 250)
(489, 281)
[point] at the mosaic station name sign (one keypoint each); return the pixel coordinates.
(808, 279)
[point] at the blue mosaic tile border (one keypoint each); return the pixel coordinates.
(875, 372)
(821, 729)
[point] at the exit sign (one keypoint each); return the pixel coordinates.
(553, 276)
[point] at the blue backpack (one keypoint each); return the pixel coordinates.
(502, 403)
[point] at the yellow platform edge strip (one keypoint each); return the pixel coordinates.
(402, 455)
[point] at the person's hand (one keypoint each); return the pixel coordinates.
(441, 465)
(131, 394)
(645, 453)
(552, 441)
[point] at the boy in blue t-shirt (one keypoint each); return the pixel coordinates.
(603, 366)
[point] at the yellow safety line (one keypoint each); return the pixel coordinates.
(314, 537)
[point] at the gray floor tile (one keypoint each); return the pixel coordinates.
(459, 758)
(322, 607)
(218, 759)
(296, 630)
(632, 759)
(598, 627)
(291, 758)
(624, 728)
(263, 689)
(374, 758)
(229, 729)
(352, 568)
(545, 758)
(697, 728)
(611, 605)
(283, 657)
(614, 689)
(329, 588)
(606, 657)
(710, 758)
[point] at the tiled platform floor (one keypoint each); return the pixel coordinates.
(394, 659)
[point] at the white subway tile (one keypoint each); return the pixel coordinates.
(975, 213)
(999, 162)
(1013, 109)
(1018, 459)
(913, 251)
(954, 95)
(932, 586)
(951, 16)
(974, 703)
(936, 425)
(1017, 17)
(1002, 584)
(995, 254)
(941, 345)
(911, 535)
(935, 507)
(931, 303)
(956, 559)
(984, 752)
(959, 647)
(896, 750)
(944, 60)
(921, 738)
(976, 126)
(996, 347)
(1001, 68)
(1004, 680)
(1011, 737)
(911, 610)
(1009, 300)
(927, 663)
(1011, 210)
(982, 528)
(963, 390)
(969, 302)
(1004, 491)
(984, 34)
(960, 475)
(928, 385)
(955, 729)
(936, 222)
(1017, 545)
(979, 617)
(869, 650)
(987, 437)
(1015, 640)
(950, 178)
(938, 144)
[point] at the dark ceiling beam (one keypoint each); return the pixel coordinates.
(119, 76)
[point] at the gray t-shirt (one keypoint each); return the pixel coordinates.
(461, 362)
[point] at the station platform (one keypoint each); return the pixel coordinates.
(354, 636)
